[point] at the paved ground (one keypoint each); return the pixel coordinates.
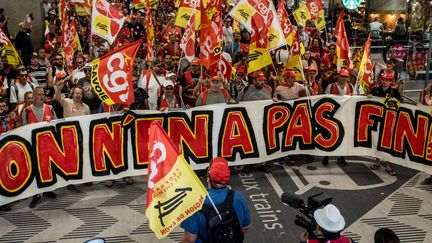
(368, 200)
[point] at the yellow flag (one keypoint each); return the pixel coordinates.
(301, 15)
(320, 21)
(174, 191)
(258, 58)
(294, 65)
(8, 50)
(77, 43)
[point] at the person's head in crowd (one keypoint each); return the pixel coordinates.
(353, 77)
(386, 80)
(172, 77)
(236, 37)
(386, 235)
(317, 43)
(4, 108)
(38, 96)
(306, 54)
(58, 61)
(168, 86)
(86, 57)
(329, 220)
(125, 12)
(258, 79)
(101, 51)
(98, 41)
(343, 76)
(218, 173)
(300, 29)
(279, 67)
(172, 38)
(241, 73)
(41, 55)
(245, 36)
(23, 75)
(52, 28)
(158, 67)
(168, 61)
(332, 49)
(311, 72)
(76, 93)
(28, 98)
(243, 58)
(316, 33)
(216, 83)
(140, 17)
(135, 79)
(228, 22)
(195, 65)
(79, 62)
(34, 61)
(310, 23)
(390, 64)
(289, 77)
(87, 70)
(376, 19)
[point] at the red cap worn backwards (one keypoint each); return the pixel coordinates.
(344, 73)
(259, 75)
(289, 74)
(387, 76)
(219, 170)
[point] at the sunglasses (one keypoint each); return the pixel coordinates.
(23, 75)
(78, 62)
(240, 75)
(169, 88)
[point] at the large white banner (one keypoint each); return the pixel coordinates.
(44, 156)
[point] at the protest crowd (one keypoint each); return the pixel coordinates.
(180, 64)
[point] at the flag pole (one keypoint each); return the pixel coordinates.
(214, 206)
(307, 87)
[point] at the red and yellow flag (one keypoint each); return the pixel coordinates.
(259, 55)
(342, 45)
(150, 33)
(294, 62)
(287, 27)
(139, 4)
(366, 69)
(111, 75)
(7, 49)
(311, 10)
(106, 21)
(187, 42)
(174, 191)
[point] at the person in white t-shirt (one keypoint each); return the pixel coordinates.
(19, 87)
(150, 81)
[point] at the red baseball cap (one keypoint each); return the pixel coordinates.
(219, 170)
(289, 74)
(241, 70)
(312, 69)
(344, 73)
(195, 62)
(259, 75)
(387, 76)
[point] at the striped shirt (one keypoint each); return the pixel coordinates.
(40, 73)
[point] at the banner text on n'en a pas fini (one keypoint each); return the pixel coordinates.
(44, 156)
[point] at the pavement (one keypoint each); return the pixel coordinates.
(368, 199)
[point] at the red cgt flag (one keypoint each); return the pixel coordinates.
(187, 42)
(314, 6)
(342, 45)
(209, 42)
(286, 25)
(111, 75)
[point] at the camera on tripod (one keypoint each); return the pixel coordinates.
(314, 202)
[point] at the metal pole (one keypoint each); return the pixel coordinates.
(428, 56)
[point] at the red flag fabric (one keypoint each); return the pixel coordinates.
(187, 42)
(314, 6)
(210, 48)
(342, 45)
(111, 75)
(286, 25)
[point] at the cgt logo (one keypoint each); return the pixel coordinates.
(162, 153)
(115, 80)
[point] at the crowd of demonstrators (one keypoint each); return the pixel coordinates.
(167, 82)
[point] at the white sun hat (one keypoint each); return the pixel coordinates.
(329, 218)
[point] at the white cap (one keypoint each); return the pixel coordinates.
(168, 83)
(329, 218)
(170, 75)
